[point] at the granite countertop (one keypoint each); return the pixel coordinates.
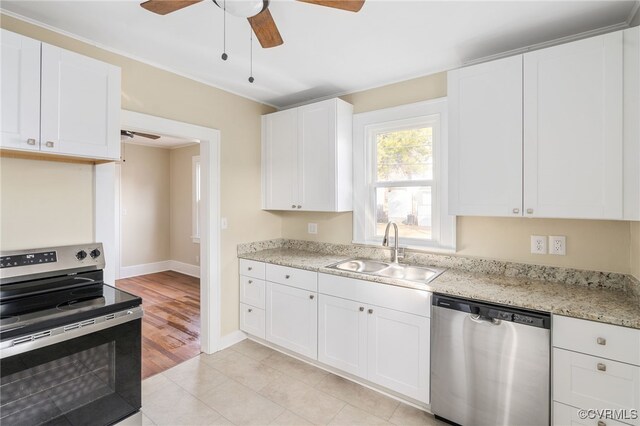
(606, 305)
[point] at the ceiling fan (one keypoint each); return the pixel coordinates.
(256, 11)
(130, 134)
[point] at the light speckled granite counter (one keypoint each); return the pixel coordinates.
(610, 304)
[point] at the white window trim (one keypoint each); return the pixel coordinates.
(195, 210)
(364, 124)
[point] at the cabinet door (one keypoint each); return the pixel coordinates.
(317, 156)
(485, 139)
(573, 130)
(342, 334)
(280, 160)
(292, 319)
(80, 105)
(20, 87)
(398, 352)
(565, 415)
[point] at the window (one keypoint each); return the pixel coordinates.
(195, 206)
(400, 176)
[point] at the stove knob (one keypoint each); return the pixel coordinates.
(95, 253)
(81, 255)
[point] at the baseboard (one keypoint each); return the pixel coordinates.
(143, 269)
(184, 268)
(152, 268)
(231, 339)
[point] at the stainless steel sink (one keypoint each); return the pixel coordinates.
(420, 274)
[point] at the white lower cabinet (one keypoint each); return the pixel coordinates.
(252, 320)
(384, 346)
(566, 415)
(398, 352)
(292, 319)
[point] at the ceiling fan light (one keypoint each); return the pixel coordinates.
(242, 8)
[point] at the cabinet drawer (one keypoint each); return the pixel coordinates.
(251, 268)
(585, 381)
(565, 415)
(300, 278)
(252, 291)
(252, 320)
(402, 299)
(598, 339)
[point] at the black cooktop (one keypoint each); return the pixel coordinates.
(45, 304)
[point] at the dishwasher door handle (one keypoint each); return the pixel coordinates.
(479, 319)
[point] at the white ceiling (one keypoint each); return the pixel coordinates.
(326, 51)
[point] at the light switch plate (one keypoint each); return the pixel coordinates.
(538, 244)
(558, 245)
(312, 228)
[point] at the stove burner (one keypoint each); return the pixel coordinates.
(82, 303)
(8, 320)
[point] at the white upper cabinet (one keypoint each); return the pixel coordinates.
(485, 139)
(573, 129)
(541, 134)
(56, 101)
(307, 153)
(20, 92)
(80, 105)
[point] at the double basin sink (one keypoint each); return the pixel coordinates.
(390, 270)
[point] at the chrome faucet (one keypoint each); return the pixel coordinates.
(397, 252)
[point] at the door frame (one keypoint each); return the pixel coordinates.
(107, 214)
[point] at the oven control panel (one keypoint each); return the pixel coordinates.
(28, 259)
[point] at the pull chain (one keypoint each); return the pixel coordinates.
(224, 31)
(251, 79)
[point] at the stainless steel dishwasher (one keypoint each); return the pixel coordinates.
(489, 364)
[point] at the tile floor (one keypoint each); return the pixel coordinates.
(250, 384)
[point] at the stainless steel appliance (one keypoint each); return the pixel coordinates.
(489, 364)
(70, 345)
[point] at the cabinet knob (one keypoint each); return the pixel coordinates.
(370, 311)
(361, 308)
(49, 144)
(601, 423)
(299, 207)
(250, 281)
(516, 211)
(287, 276)
(311, 296)
(529, 211)
(31, 141)
(602, 367)
(293, 206)
(249, 310)
(601, 341)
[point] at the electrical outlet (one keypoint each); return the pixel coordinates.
(312, 228)
(538, 244)
(558, 244)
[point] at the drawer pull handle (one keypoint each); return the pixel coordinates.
(249, 310)
(601, 341)
(293, 206)
(249, 268)
(361, 308)
(311, 296)
(287, 276)
(601, 423)
(49, 144)
(370, 311)
(602, 367)
(250, 281)
(31, 141)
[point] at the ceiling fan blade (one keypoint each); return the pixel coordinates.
(146, 135)
(265, 29)
(162, 7)
(350, 5)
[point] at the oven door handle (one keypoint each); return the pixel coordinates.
(45, 338)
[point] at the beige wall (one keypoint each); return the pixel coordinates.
(591, 244)
(36, 212)
(635, 249)
(183, 249)
(149, 90)
(145, 201)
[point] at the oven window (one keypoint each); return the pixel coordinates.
(93, 379)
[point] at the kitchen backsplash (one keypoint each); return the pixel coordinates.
(592, 279)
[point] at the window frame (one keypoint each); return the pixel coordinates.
(367, 125)
(196, 197)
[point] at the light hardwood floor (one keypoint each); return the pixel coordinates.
(171, 322)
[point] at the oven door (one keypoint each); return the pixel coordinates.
(89, 379)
